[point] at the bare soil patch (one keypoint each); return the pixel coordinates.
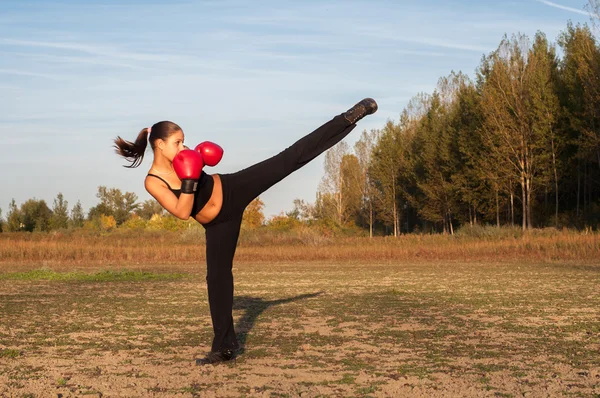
(312, 329)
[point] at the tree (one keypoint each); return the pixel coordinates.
(149, 208)
(1, 222)
(579, 98)
(77, 216)
(331, 184)
(326, 207)
(302, 211)
(114, 203)
(60, 213)
(352, 183)
(544, 107)
(13, 218)
(388, 158)
(437, 164)
(514, 95)
(469, 178)
(253, 215)
(364, 154)
(35, 215)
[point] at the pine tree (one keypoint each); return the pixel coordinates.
(77, 217)
(469, 178)
(60, 213)
(388, 158)
(578, 94)
(13, 218)
(433, 154)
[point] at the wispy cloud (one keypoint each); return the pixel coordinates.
(559, 6)
(32, 74)
(389, 33)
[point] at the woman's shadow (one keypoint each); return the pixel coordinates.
(254, 306)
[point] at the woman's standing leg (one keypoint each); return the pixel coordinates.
(221, 242)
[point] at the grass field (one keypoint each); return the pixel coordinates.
(444, 325)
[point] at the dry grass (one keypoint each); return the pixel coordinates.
(140, 247)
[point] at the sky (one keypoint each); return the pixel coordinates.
(252, 76)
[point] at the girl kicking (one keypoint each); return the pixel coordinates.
(178, 182)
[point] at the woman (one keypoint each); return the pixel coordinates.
(218, 201)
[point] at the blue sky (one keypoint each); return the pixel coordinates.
(252, 76)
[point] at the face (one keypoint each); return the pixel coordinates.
(172, 145)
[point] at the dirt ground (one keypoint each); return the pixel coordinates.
(311, 330)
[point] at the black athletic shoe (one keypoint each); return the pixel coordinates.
(215, 357)
(365, 107)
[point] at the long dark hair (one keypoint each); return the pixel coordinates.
(134, 151)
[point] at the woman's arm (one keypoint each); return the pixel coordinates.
(180, 208)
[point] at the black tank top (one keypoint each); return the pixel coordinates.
(206, 184)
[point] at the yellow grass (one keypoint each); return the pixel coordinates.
(128, 248)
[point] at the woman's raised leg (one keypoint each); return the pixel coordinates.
(249, 183)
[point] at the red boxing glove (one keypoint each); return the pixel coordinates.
(211, 152)
(188, 165)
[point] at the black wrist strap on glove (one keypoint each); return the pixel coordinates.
(189, 186)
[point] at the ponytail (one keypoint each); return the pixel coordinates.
(133, 151)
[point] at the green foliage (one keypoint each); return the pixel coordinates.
(60, 213)
(302, 211)
(439, 194)
(135, 222)
(93, 224)
(388, 164)
(148, 208)
(114, 203)
(352, 184)
(13, 219)
(168, 223)
(35, 216)
(77, 216)
(102, 276)
(283, 222)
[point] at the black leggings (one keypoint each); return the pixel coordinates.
(239, 189)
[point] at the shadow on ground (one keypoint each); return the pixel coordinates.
(253, 307)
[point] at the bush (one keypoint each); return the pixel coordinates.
(107, 223)
(168, 223)
(489, 232)
(135, 222)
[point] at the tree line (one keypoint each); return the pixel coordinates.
(114, 208)
(518, 144)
